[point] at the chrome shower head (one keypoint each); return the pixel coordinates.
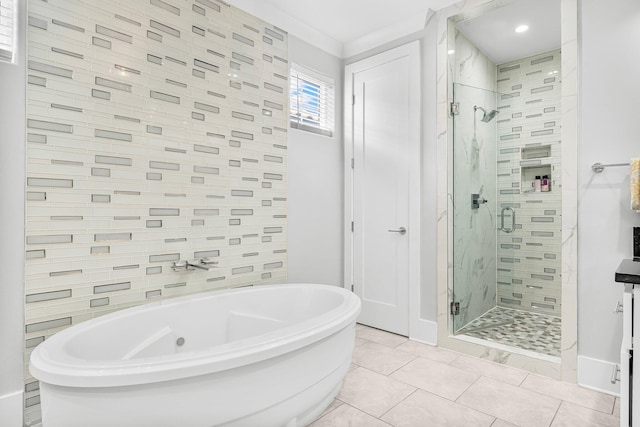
(486, 116)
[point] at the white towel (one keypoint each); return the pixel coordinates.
(634, 179)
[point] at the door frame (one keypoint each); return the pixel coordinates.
(412, 51)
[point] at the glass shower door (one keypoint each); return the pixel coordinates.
(481, 216)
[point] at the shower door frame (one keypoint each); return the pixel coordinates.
(566, 369)
(486, 219)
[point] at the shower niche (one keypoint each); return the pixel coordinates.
(536, 152)
(535, 165)
(531, 174)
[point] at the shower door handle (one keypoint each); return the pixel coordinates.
(513, 220)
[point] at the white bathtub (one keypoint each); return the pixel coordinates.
(262, 356)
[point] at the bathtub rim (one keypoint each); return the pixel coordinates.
(52, 365)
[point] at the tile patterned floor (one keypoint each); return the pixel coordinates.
(402, 383)
(522, 329)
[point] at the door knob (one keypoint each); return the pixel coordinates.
(401, 230)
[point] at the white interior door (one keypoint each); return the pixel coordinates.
(383, 126)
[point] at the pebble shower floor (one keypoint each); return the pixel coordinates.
(522, 329)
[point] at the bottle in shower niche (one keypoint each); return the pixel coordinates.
(537, 184)
(544, 184)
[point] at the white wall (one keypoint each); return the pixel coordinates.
(428, 209)
(315, 174)
(12, 171)
(609, 133)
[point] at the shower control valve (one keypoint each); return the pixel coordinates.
(476, 201)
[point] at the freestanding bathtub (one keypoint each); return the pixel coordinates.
(272, 355)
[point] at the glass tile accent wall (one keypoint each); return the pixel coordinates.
(157, 132)
(529, 261)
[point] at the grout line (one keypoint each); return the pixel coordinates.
(364, 412)
(467, 389)
(324, 415)
(379, 343)
(403, 365)
(589, 407)
(476, 409)
(327, 413)
(395, 347)
(556, 414)
(382, 332)
(524, 379)
(409, 395)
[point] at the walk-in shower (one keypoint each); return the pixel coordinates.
(507, 283)
(507, 206)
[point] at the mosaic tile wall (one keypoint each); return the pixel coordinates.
(156, 133)
(529, 259)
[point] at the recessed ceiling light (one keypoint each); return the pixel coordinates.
(522, 28)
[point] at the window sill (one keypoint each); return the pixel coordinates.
(311, 129)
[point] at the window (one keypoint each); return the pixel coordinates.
(7, 30)
(311, 101)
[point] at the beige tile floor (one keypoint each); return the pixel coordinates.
(402, 383)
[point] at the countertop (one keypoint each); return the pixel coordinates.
(629, 271)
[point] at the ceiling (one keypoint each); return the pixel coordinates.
(494, 32)
(348, 20)
(348, 23)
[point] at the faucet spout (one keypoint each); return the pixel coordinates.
(202, 264)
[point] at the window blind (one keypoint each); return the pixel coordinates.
(312, 101)
(7, 25)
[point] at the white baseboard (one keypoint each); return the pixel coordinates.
(11, 409)
(424, 331)
(596, 375)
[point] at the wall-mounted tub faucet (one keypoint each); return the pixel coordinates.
(201, 264)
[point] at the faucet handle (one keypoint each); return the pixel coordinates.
(208, 260)
(179, 265)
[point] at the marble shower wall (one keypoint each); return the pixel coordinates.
(529, 260)
(471, 67)
(474, 253)
(157, 132)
